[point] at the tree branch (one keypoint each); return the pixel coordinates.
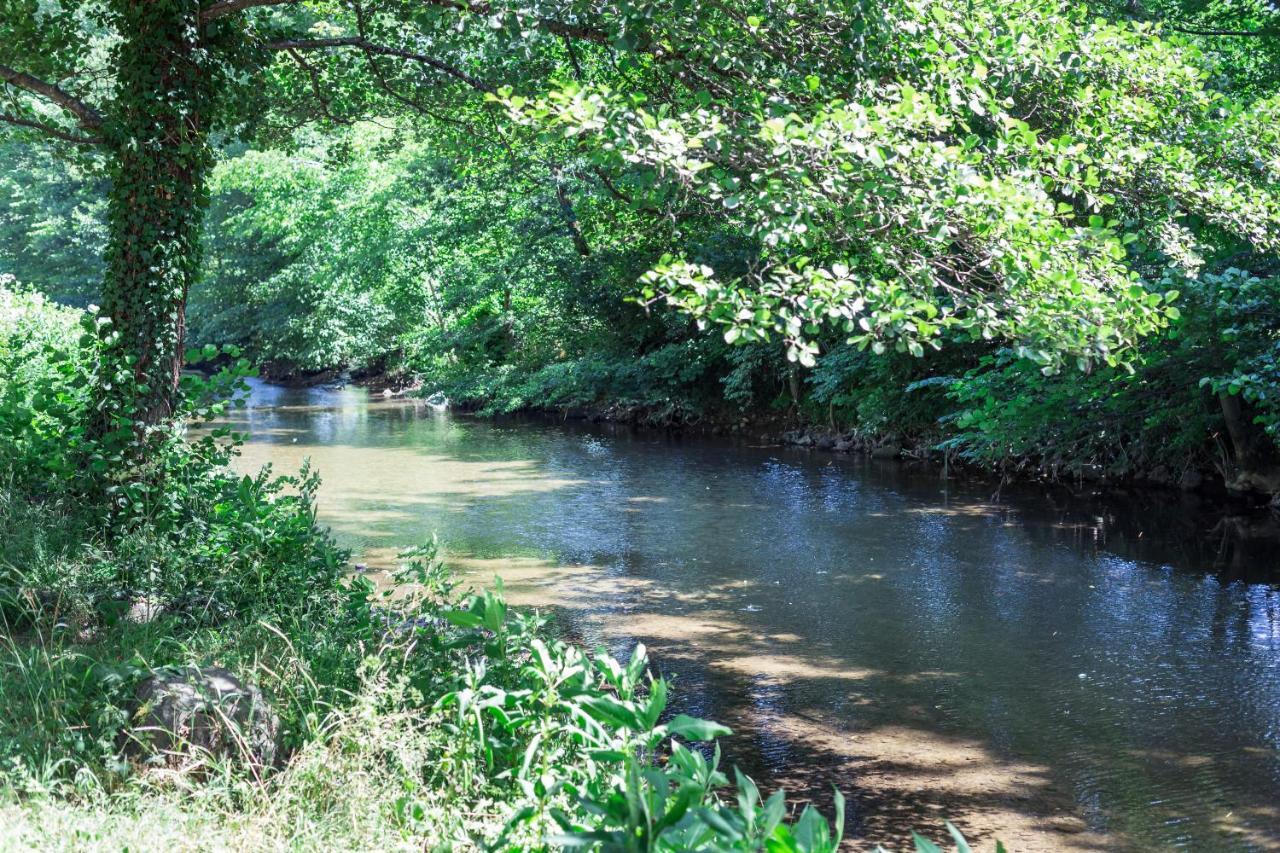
(221, 8)
(382, 50)
(9, 118)
(87, 116)
(1209, 31)
(582, 32)
(570, 218)
(227, 7)
(376, 69)
(316, 89)
(610, 185)
(411, 103)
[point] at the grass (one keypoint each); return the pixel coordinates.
(343, 789)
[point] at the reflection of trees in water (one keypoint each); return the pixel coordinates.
(1172, 529)
(1160, 526)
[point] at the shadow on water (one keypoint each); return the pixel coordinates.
(1053, 670)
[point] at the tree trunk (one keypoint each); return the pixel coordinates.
(158, 135)
(570, 218)
(1257, 462)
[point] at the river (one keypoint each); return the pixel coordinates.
(1060, 673)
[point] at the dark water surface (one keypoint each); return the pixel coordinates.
(1056, 672)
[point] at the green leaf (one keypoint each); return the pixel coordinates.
(924, 845)
(692, 728)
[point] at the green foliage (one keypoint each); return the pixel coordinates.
(895, 396)
(45, 388)
(180, 528)
(84, 548)
(982, 187)
(52, 222)
(1241, 36)
(1119, 422)
(1237, 327)
(568, 742)
(674, 383)
(979, 182)
(312, 262)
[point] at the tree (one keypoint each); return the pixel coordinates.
(912, 172)
(1242, 36)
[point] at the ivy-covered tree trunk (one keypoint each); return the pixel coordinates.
(159, 137)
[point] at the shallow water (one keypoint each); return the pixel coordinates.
(1056, 672)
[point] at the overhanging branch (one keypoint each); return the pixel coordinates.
(87, 116)
(316, 88)
(581, 32)
(1211, 31)
(57, 132)
(382, 50)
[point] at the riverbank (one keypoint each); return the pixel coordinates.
(1234, 532)
(934, 452)
(432, 721)
(786, 427)
(1229, 533)
(1001, 419)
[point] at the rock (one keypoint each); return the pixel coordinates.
(1275, 502)
(798, 437)
(183, 711)
(824, 442)
(1160, 475)
(886, 451)
(843, 446)
(144, 609)
(1245, 482)
(1191, 480)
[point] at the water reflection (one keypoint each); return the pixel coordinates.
(1057, 672)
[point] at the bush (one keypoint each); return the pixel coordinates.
(45, 389)
(1162, 413)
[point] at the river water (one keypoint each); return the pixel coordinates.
(1056, 672)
